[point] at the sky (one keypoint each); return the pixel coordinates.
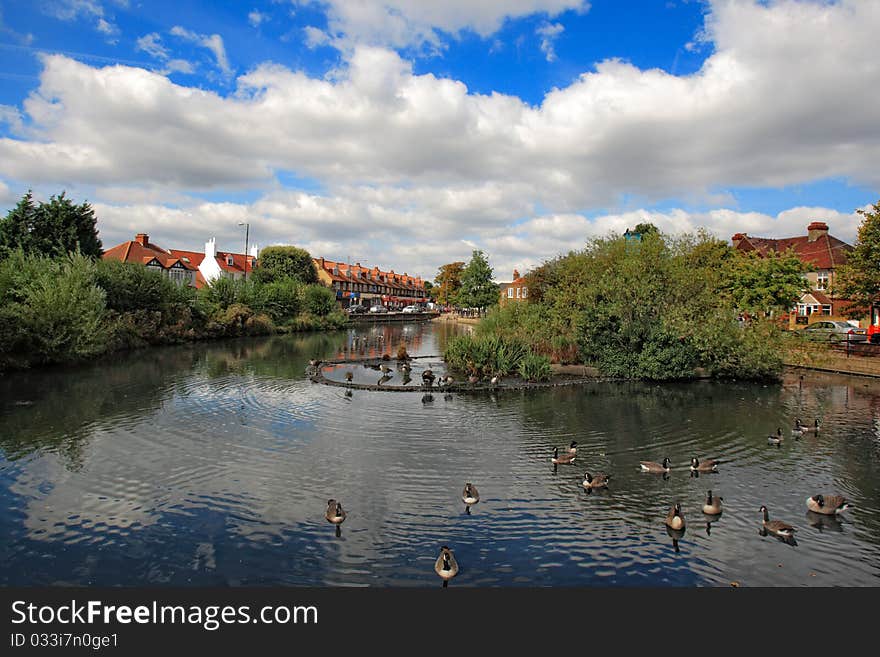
(404, 134)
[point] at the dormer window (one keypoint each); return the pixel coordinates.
(229, 260)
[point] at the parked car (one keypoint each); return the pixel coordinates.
(412, 309)
(833, 331)
(378, 309)
(356, 310)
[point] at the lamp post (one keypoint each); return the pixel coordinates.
(247, 231)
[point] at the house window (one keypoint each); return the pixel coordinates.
(229, 260)
(826, 309)
(518, 292)
(177, 275)
(822, 280)
(510, 293)
(525, 292)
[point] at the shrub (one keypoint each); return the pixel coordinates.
(535, 367)
(319, 300)
(280, 299)
(130, 286)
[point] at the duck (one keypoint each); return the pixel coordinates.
(573, 447)
(428, 378)
(596, 481)
(776, 527)
(675, 518)
(495, 380)
(385, 370)
(334, 512)
(349, 376)
(712, 507)
(650, 466)
(470, 495)
(446, 566)
(314, 362)
(561, 459)
(800, 429)
(709, 465)
(777, 439)
(828, 505)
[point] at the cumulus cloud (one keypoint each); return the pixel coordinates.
(415, 23)
(213, 42)
(256, 18)
(549, 32)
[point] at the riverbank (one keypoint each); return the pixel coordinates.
(823, 358)
(452, 317)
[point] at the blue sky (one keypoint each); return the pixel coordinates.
(405, 133)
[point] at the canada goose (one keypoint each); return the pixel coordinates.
(776, 527)
(470, 495)
(446, 566)
(800, 429)
(573, 447)
(428, 378)
(334, 512)
(675, 518)
(406, 368)
(712, 507)
(349, 376)
(561, 459)
(828, 505)
(777, 439)
(385, 370)
(596, 481)
(709, 465)
(650, 466)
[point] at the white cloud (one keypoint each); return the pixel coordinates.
(152, 45)
(213, 42)
(11, 116)
(315, 37)
(256, 18)
(549, 32)
(405, 23)
(108, 29)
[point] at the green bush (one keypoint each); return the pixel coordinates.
(535, 367)
(319, 300)
(280, 299)
(130, 286)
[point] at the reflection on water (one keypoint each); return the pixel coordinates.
(213, 463)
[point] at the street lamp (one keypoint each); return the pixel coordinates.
(247, 231)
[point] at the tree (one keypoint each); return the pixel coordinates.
(55, 228)
(477, 289)
(646, 228)
(764, 284)
(279, 262)
(430, 291)
(448, 282)
(859, 280)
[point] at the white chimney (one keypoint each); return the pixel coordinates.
(211, 248)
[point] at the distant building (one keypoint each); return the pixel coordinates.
(516, 290)
(355, 284)
(142, 252)
(823, 253)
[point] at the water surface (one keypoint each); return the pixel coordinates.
(211, 464)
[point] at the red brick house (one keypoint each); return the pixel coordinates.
(516, 290)
(822, 252)
(143, 252)
(355, 284)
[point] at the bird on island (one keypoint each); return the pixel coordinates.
(776, 527)
(446, 566)
(777, 439)
(349, 376)
(495, 380)
(334, 513)
(386, 371)
(709, 465)
(428, 378)
(712, 507)
(828, 505)
(596, 481)
(561, 459)
(651, 466)
(406, 368)
(675, 518)
(470, 495)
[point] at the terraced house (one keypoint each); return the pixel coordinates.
(355, 284)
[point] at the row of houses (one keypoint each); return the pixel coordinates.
(352, 284)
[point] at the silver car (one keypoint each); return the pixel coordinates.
(833, 331)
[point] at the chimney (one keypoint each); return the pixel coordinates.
(816, 230)
(211, 248)
(143, 239)
(736, 239)
(357, 264)
(322, 262)
(515, 274)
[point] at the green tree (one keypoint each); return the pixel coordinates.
(477, 289)
(859, 280)
(55, 228)
(765, 284)
(278, 262)
(448, 281)
(319, 300)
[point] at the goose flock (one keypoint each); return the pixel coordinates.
(446, 567)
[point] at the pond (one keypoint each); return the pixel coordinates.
(212, 464)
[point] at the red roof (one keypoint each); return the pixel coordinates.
(237, 266)
(141, 251)
(823, 252)
(373, 275)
